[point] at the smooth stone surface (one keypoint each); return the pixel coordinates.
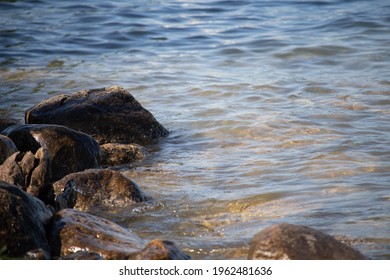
(294, 242)
(110, 115)
(100, 188)
(117, 154)
(30, 172)
(162, 250)
(69, 150)
(23, 222)
(7, 148)
(73, 231)
(4, 123)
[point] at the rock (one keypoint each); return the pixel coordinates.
(161, 250)
(30, 172)
(4, 123)
(83, 255)
(69, 150)
(23, 221)
(7, 148)
(117, 154)
(294, 242)
(74, 231)
(110, 115)
(101, 188)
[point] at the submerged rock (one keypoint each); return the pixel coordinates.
(295, 242)
(7, 148)
(23, 222)
(73, 231)
(30, 172)
(161, 250)
(110, 115)
(101, 188)
(69, 150)
(117, 154)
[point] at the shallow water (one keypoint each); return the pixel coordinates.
(278, 110)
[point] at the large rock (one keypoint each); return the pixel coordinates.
(108, 114)
(70, 151)
(295, 242)
(161, 250)
(73, 231)
(117, 154)
(101, 188)
(30, 172)
(23, 222)
(7, 148)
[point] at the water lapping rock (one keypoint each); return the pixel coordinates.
(110, 115)
(97, 188)
(294, 242)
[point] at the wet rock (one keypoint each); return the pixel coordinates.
(161, 250)
(73, 231)
(69, 150)
(110, 115)
(101, 188)
(7, 148)
(117, 154)
(4, 123)
(83, 255)
(37, 254)
(23, 220)
(30, 172)
(295, 242)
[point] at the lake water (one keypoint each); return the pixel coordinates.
(279, 111)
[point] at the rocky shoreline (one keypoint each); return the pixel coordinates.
(54, 171)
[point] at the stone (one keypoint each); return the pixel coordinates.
(161, 250)
(101, 188)
(4, 123)
(7, 148)
(23, 222)
(30, 172)
(110, 115)
(69, 150)
(295, 242)
(117, 154)
(73, 231)
(83, 255)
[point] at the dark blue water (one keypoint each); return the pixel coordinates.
(279, 110)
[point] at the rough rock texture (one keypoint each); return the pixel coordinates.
(99, 188)
(7, 148)
(4, 123)
(70, 151)
(117, 154)
(83, 255)
(294, 242)
(161, 250)
(73, 231)
(110, 115)
(30, 172)
(23, 219)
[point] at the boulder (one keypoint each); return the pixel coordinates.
(117, 154)
(23, 222)
(69, 150)
(4, 123)
(107, 114)
(7, 148)
(294, 242)
(101, 188)
(30, 172)
(161, 250)
(73, 231)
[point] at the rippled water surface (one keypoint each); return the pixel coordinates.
(278, 110)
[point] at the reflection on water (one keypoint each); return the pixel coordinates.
(278, 110)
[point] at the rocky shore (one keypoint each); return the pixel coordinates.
(54, 172)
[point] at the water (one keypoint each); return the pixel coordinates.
(278, 110)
